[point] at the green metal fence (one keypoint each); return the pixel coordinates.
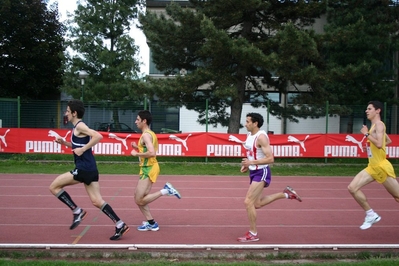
(9, 112)
(168, 118)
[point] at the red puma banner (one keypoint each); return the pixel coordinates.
(196, 144)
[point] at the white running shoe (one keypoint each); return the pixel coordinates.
(172, 191)
(369, 221)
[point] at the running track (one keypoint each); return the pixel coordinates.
(211, 213)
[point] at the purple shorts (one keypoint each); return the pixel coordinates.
(263, 174)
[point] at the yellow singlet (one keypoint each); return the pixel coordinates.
(379, 167)
(376, 155)
(142, 148)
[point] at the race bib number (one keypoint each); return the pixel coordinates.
(368, 150)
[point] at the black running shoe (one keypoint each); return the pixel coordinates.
(119, 232)
(77, 218)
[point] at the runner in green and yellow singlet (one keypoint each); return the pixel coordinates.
(146, 150)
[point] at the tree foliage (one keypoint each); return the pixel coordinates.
(228, 47)
(234, 48)
(359, 45)
(98, 36)
(31, 49)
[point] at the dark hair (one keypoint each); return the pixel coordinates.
(145, 114)
(78, 107)
(255, 117)
(377, 105)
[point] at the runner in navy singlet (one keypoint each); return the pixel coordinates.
(82, 140)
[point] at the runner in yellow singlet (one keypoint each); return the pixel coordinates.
(149, 167)
(146, 150)
(379, 168)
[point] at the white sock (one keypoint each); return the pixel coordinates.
(119, 224)
(77, 210)
(164, 191)
(286, 195)
(370, 212)
(254, 234)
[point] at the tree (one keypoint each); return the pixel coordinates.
(98, 35)
(31, 49)
(361, 39)
(228, 47)
(358, 46)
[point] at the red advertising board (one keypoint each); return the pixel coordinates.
(195, 144)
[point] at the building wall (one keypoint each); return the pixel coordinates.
(188, 123)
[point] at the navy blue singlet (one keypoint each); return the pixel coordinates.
(86, 161)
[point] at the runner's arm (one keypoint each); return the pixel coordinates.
(63, 142)
(378, 135)
(147, 139)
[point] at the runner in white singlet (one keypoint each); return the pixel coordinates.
(259, 156)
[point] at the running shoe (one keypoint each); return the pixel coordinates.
(292, 194)
(146, 226)
(77, 218)
(172, 191)
(119, 232)
(369, 221)
(248, 238)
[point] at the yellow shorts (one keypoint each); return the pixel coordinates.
(381, 171)
(151, 172)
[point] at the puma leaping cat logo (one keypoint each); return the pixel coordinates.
(3, 138)
(353, 140)
(300, 142)
(54, 134)
(113, 136)
(183, 141)
(235, 139)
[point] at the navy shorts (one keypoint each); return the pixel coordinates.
(263, 174)
(85, 176)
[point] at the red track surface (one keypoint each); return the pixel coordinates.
(211, 211)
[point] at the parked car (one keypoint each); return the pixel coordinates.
(112, 127)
